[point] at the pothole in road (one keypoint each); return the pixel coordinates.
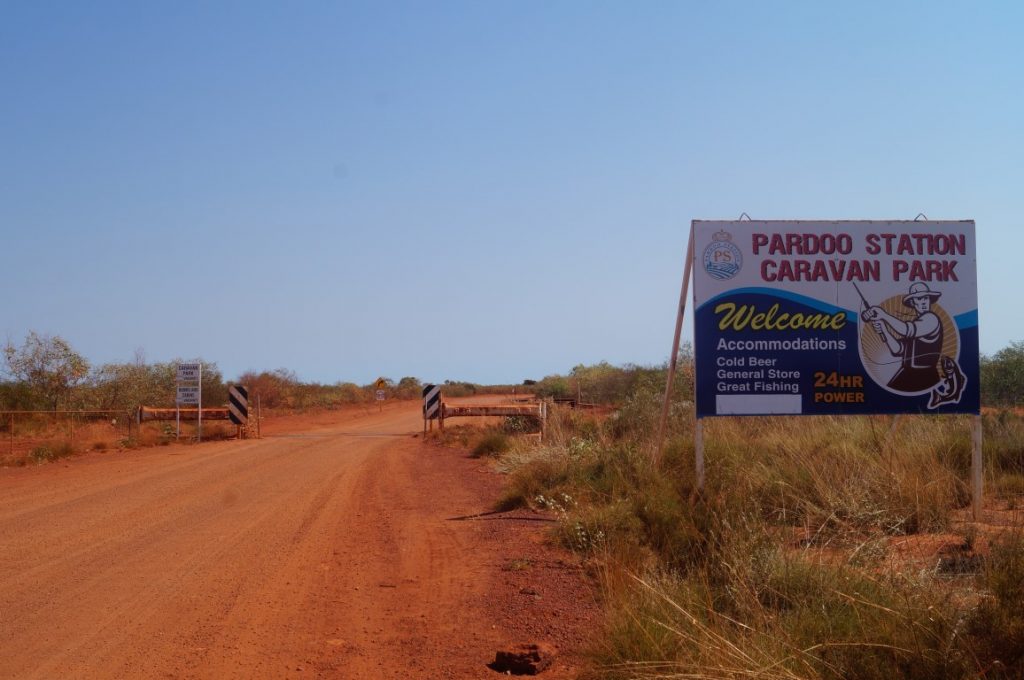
(525, 659)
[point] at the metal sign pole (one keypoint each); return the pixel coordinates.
(674, 358)
(976, 468)
(199, 407)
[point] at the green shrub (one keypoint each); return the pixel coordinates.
(1002, 376)
(490, 444)
(520, 424)
(540, 475)
(47, 453)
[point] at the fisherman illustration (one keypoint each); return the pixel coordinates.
(916, 342)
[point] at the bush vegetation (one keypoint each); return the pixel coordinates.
(46, 373)
(490, 444)
(1002, 377)
(48, 453)
(606, 384)
(785, 566)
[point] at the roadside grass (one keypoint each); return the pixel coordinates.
(219, 431)
(1004, 442)
(781, 568)
(489, 441)
(52, 443)
(44, 438)
(769, 615)
(836, 474)
(454, 436)
(996, 627)
(51, 451)
(490, 444)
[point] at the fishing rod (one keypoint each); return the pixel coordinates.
(867, 315)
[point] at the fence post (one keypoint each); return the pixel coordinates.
(543, 419)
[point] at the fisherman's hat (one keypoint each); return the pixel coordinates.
(917, 290)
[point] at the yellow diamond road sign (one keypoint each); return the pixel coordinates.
(381, 383)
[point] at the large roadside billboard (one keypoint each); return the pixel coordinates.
(814, 317)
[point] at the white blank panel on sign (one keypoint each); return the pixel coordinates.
(757, 404)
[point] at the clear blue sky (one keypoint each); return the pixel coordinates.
(488, 191)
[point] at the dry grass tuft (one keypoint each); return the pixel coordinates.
(782, 567)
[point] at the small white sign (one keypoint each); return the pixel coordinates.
(188, 394)
(380, 395)
(189, 372)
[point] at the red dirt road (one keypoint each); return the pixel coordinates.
(325, 553)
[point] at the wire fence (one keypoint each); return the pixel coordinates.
(48, 434)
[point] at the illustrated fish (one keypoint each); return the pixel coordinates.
(951, 384)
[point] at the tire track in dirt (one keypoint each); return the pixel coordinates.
(325, 555)
(208, 532)
(123, 518)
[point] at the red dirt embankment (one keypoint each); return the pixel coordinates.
(327, 549)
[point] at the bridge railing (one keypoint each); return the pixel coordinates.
(538, 410)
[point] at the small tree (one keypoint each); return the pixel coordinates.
(1002, 376)
(276, 388)
(48, 365)
(408, 387)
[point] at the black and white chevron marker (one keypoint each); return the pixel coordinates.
(238, 404)
(431, 401)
